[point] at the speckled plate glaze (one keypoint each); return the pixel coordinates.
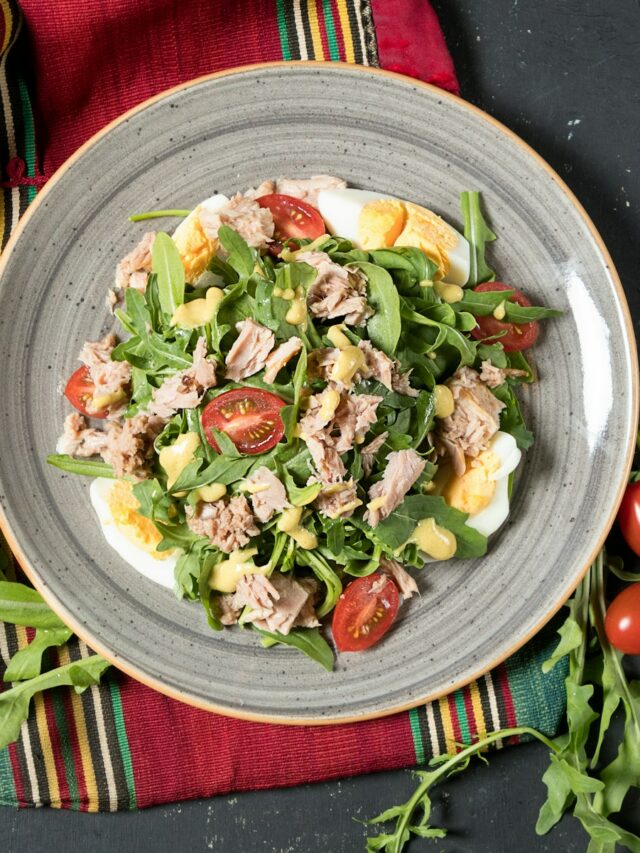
(379, 131)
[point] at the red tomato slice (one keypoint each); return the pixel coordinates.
(519, 336)
(79, 392)
(293, 217)
(364, 612)
(629, 517)
(249, 416)
(622, 623)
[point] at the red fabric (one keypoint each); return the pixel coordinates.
(93, 61)
(179, 752)
(410, 41)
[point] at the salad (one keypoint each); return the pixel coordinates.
(312, 398)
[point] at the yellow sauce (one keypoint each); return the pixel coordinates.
(377, 503)
(349, 362)
(212, 492)
(277, 291)
(297, 314)
(444, 401)
(448, 292)
(255, 488)
(175, 458)
(288, 293)
(198, 312)
(289, 523)
(500, 311)
(103, 401)
(337, 336)
(225, 576)
(434, 540)
(329, 402)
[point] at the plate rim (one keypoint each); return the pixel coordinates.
(139, 675)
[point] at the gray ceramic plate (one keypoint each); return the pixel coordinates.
(379, 131)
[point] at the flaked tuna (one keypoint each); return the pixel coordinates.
(403, 469)
(79, 439)
(307, 189)
(370, 451)
(278, 603)
(228, 524)
(336, 291)
(245, 216)
(250, 350)
(403, 580)
(278, 357)
(133, 270)
(184, 390)
(268, 495)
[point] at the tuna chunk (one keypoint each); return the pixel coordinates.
(386, 370)
(278, 603)
(134, 268)
(403, 469)
(78, 439)
(109, 377)
(250, 350)
(265, 188)
(279, 357)
(353, 419)
(336, 291)
(129, 444)
(307, 189)
(268, 495)
(252, 222)
(474, 421)
(494, 376)
(228, 525)
(339, 500)
(403, 580)
(326, 459)
(369, 452)
(184, 390)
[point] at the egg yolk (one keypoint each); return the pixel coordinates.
(195, 248)
(141, 531)
(472, 492)
(425, 230)
(380, 223)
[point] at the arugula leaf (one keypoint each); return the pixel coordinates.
(14, 703)
(326, 575)
(511, 419)
(167, 265)
(154, 214)
(385, 326)
(308, 640)
(398, 528)
(515, 313)
(155, 502)
(241, 258)
(299, 495)
(448, 334)
(22, 605)
(407, 258)
(86, 467)
(478, 234)
(27, 662)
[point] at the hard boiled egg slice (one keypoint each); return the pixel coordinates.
(372, 220)
(132, 535)
(196, 248)
(483, 490)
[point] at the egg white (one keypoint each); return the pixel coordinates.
(341, 211)
(493, 516)
(160, 571)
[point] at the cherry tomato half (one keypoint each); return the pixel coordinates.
(364, 612)
(249, 416)
(79, 392)
(629, 517)
(622, 623)
(293, 217)
(519, 336)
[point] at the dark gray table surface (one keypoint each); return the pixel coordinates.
(565, 75)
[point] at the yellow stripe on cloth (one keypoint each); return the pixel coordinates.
(476, 704)
(314, 26)
(7, 14)
(83, 740)
(447, 725)
(345, 26)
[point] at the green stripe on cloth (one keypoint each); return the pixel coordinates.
(29, 135)
(65, 748)
(463, 720)
(417, 735)
(282, 28)
(8, 795)
(123, 742)
(329, 26)
(528, 683)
